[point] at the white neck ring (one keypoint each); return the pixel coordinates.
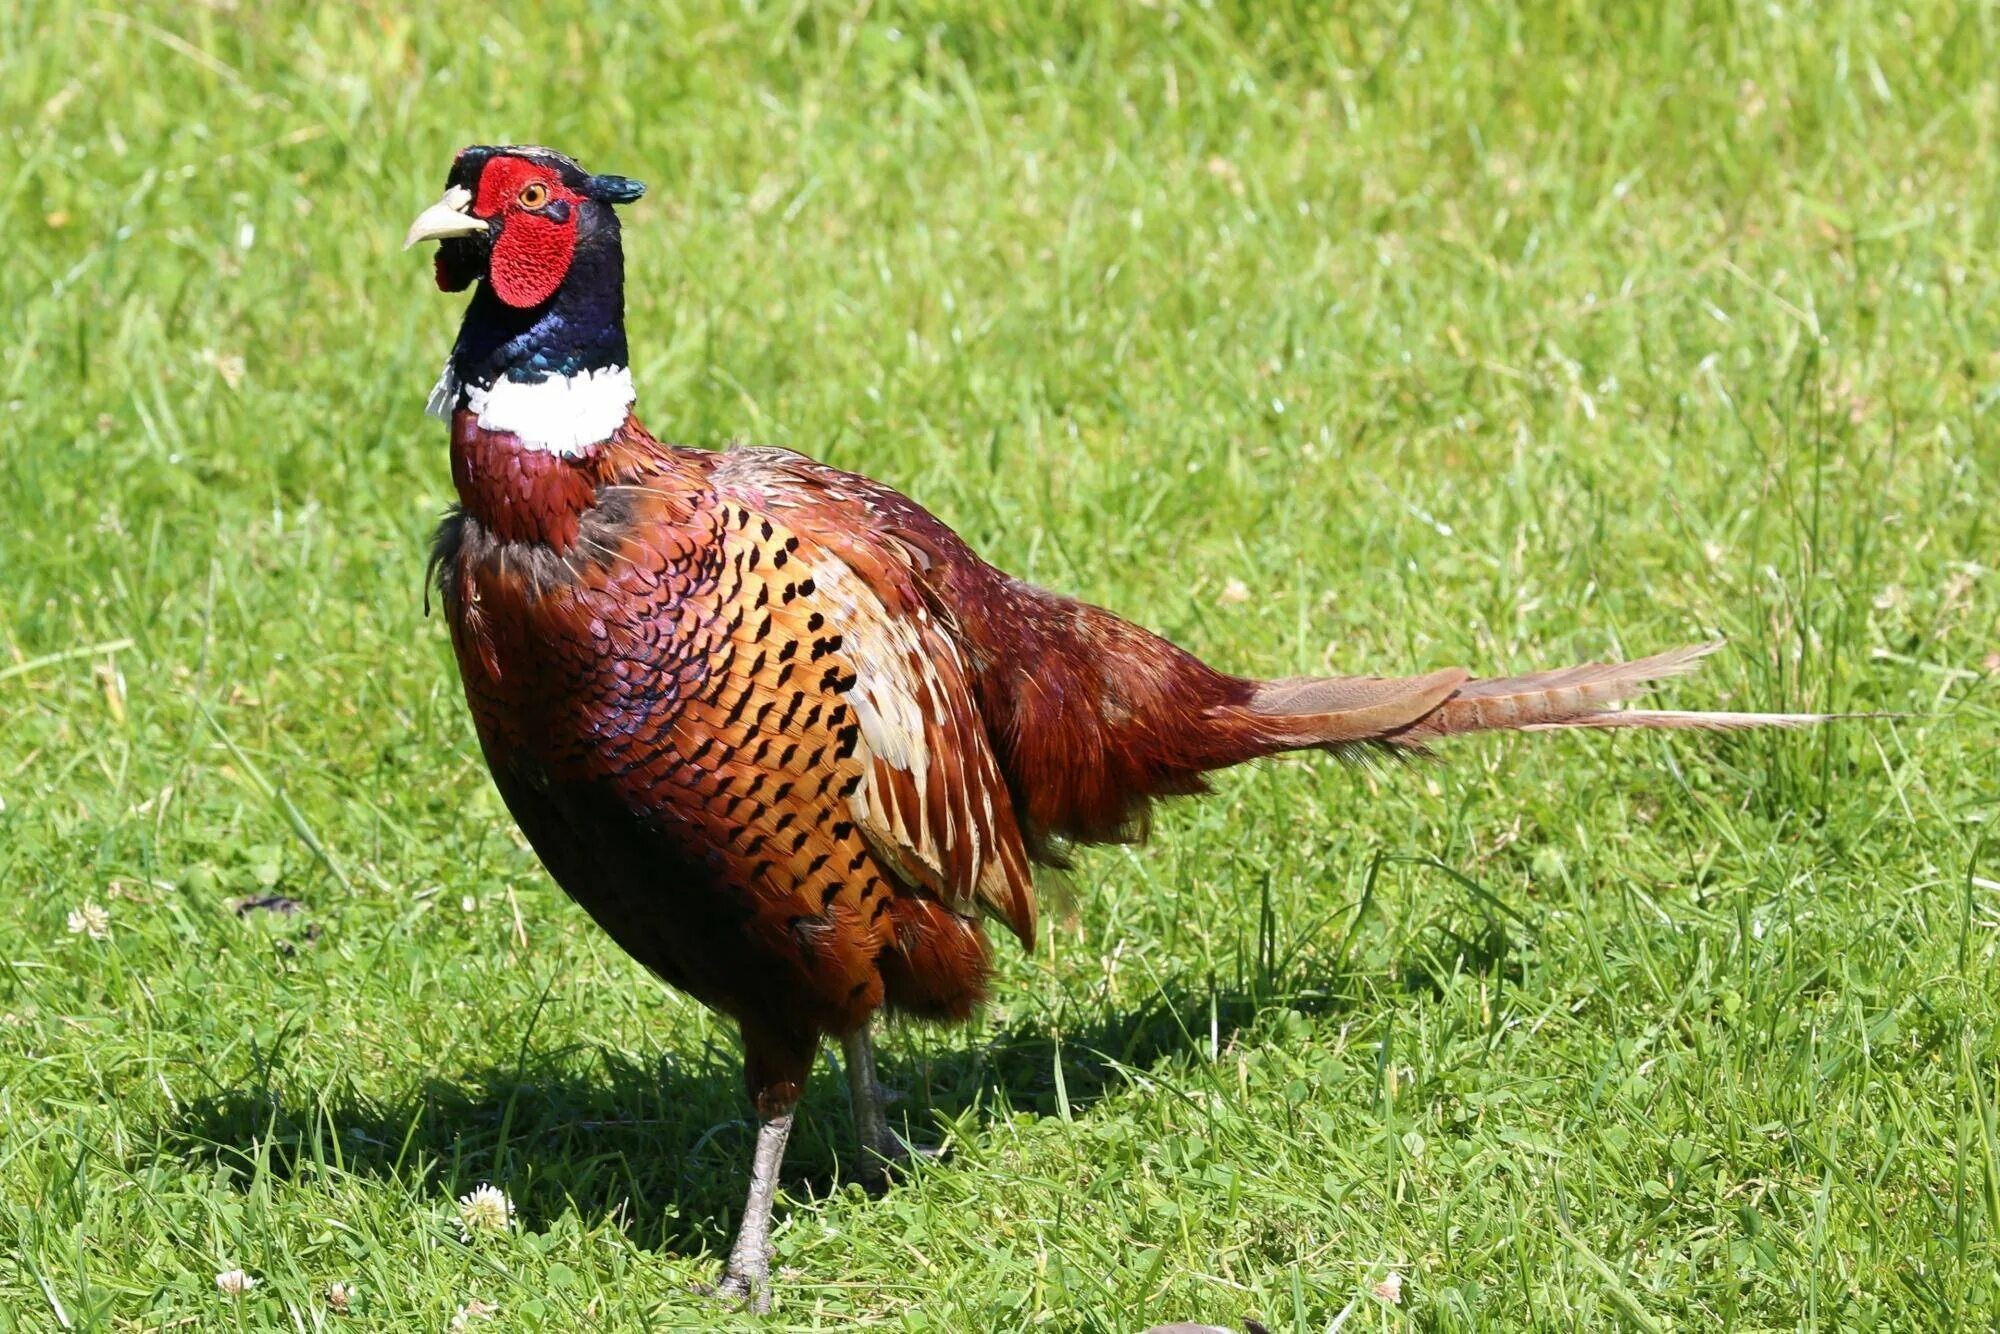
(562, 414)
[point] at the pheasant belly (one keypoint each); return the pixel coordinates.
(671, 726)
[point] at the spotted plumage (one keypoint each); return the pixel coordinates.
(795, 737)
(776, 727)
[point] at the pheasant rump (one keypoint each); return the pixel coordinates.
(776, 728)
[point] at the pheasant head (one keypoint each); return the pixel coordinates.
(541, 354)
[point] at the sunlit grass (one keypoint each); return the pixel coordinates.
(1473, 334)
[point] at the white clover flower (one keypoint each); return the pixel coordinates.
(473, 1310)
(486, 1209)
(1390, 1289)
(338, 1295)
(90, 920)
(234, 1282)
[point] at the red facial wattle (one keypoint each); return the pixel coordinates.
(532, 253)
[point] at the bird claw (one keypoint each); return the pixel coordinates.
(749, 1292)
(887, 1159)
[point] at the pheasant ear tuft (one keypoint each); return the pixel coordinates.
(614, 189)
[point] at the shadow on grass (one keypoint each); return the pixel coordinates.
(1101, 1053)
(661, 1150)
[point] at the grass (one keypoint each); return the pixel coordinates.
(1470, 333)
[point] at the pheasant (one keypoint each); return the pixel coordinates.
(775, 727)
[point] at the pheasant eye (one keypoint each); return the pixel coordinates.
(533, 195)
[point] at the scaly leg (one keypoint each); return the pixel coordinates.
(881, 1147)
(748, 1273)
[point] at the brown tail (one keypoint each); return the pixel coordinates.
(1408, 712)
(1093, 719)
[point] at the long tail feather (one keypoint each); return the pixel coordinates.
(1333, 710)
(1339, 712)
(1689, 720)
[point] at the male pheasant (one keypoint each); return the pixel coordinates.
(775, 727)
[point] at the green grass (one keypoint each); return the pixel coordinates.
(1473, 334)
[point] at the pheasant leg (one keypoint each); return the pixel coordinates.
(881, 1147)
(879, 1144)
(747, 1276)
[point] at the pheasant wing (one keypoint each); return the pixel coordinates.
(932, 803)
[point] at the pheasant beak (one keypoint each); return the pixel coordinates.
(447, 217)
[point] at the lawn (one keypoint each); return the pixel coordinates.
(1487, 334)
